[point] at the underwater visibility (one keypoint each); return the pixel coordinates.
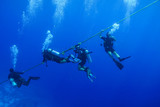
(80, 53)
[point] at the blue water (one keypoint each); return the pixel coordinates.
(62, 85)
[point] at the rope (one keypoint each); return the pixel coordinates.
(25, 71)
(111, 26)
(3, 81)
(33, 67)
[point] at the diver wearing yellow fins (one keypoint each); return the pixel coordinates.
(108, 45)
(84, 55)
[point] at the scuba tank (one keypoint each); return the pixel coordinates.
(53, 52)
(13, 82)
(88, 56)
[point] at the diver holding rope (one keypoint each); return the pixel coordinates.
(84, 55)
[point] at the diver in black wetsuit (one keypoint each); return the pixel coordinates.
(52, 55)
(108, 45)
(17, 80)
(84, 55)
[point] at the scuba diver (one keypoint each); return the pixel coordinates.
(17, 81)
(52, 55)
(84, 55)
(108, 45)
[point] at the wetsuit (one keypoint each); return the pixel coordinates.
(47, 55)
(82, 56)
(18, 79)
(108, 43)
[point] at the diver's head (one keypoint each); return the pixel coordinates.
(44, 51)
(11, 70)
(77, 47)
(108, 34)
(49, 49)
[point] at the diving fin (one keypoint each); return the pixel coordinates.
(122, 59)
(119, 65)
(34, 78)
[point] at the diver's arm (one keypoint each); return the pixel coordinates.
(103, 38)
(20, 72)
(88, 55)
(101, 33)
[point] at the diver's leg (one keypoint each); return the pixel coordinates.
(19, 83)
(119, 65)
(110, 54)
(63, 61)
(92, 76)
(81, 68)
(89, 74)
(116, 54)
(26, 83)
(22, 81)
(88, 71)
(120, 59)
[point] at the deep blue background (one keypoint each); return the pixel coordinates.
(62, 85)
